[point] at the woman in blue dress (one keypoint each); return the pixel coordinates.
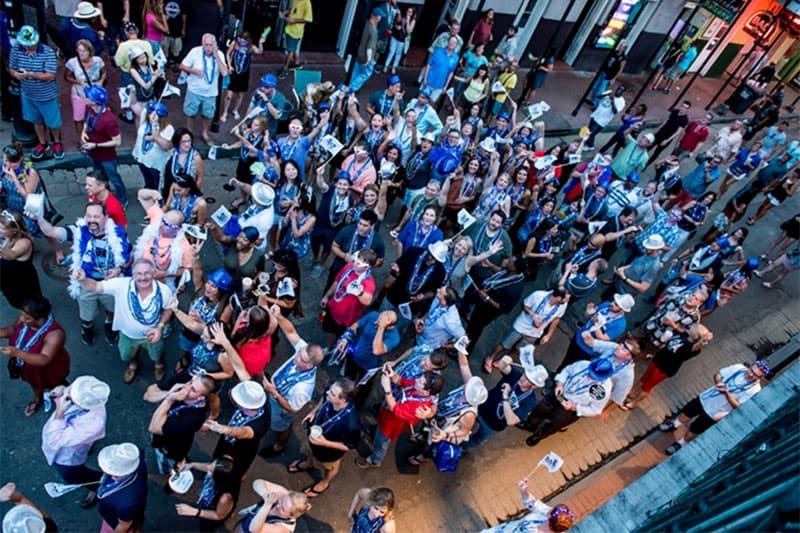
(299, 223)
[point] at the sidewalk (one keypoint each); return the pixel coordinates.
(562, 90)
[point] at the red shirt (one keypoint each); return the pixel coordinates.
(696, 133)
(394, 423)
(105, 129)
(348, 308)
(114, 209)
(482, 32)
(256, 354)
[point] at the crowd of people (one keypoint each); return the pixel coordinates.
(457, 183)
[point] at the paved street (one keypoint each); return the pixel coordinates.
(481, 492)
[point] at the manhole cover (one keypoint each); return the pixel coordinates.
(53, 269)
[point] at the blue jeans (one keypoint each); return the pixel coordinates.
(600, 85)
(361, 73)
(380, 447)
(152, 177)
(113, 32)
(110, 169)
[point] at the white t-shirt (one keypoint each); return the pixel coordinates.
(156, 157)
(196, 58)
(589, 395)
(622, 380)
(524, 322)
(94, 70)
(124, 320)
(715, 403)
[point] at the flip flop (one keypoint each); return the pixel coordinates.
(311, 493)
(294, 466)
(487, 365)
(32, 407)
(416, 461)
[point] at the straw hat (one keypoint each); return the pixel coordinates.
(262, 194)
(475, 391)
(119, 459)
(536, 374)
(625, 301)
(88, 392)
(438, 250)
(249, 395)
(23, 519)
(86, 11)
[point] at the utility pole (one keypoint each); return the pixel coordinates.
(731, 24)
(675, 43)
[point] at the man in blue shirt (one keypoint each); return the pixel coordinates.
(427, 119)
(370, 339)
(440, 68)
(35, 65)
(697, 181)
(295, 146)
(606, 323)
(384, 102)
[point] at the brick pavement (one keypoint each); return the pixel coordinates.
(472, 497)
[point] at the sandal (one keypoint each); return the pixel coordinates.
(487, 365)
(311, 492)
(130, 374)
(159, 372)
(416, 460)
(294, 466)
(32, 407)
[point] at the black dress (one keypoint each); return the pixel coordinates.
(19, 281)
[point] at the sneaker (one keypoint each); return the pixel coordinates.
(40, 152)
(667, 426)
(282, 74)
(87, 336)
(58, 151)
(111, 336)
(90, 500)
(363, 462)
(673, 448)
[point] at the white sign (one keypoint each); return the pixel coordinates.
(212, 152)
(124, 98)
(552, 461)
(465, 219)
(221, 216)
(368, 376)
(34, 204)
(170, 90)
(498, 87)
(330, 144)
(285, 288)
(405, 310)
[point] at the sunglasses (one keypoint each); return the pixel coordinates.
(8, 218)
(12, 152)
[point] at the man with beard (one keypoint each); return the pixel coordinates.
(485, 234)
(100, 248)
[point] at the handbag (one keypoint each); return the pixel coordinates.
(446, 456)
(14, 370)
(50, 213)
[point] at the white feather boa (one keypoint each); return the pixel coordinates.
(145, 241)
(81, 238)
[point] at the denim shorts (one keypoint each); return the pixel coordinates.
(279, 419)
(292, 44)
(193, 103)
(47, 113)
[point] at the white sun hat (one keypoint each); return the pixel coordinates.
(119, 459)
(88, 392)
